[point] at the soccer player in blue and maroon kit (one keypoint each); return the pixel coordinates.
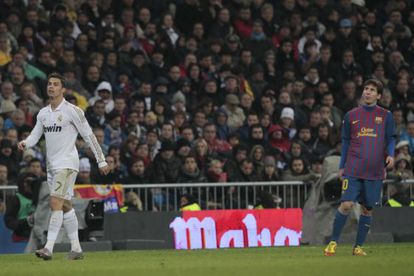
(368, 143)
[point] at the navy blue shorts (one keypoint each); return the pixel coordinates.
(366, 192)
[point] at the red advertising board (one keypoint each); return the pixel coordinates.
(237, 228)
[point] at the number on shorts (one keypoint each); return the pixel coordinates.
(344, 184)
(59, 185)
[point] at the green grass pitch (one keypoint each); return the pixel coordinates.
(384, 259)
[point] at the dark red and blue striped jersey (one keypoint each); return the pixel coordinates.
(368, 137)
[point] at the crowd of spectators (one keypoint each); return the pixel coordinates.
(204, 90)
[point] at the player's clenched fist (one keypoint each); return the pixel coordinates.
(22, 145)
(104, 170)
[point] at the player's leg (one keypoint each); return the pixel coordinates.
(350, 192)
(70, 222)
(55, 221)
(371, 194)
(58, 185)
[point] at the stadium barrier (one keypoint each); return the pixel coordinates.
(212, 229)
(139, 230)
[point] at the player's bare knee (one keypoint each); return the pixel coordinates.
(346, 207)
(56, 203)
(366, 212)
(67, 206)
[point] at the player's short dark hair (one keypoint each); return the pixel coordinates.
(56, 75)
(378, 84)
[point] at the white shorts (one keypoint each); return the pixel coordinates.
(61, 183)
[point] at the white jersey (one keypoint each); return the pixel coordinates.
(61, 127)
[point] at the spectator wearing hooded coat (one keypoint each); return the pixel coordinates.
(270, 171)
(279, 139)
(104, 92)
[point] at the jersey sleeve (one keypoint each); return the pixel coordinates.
(390, 134)
(346, 138)
(36, 133)
(83, 127)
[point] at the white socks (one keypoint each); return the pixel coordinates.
(55, 224)
(70, 222)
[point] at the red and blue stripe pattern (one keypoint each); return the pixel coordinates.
(368, 136)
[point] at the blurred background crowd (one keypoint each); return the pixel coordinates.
(190, 91)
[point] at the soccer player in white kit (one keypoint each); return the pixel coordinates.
(61, 122)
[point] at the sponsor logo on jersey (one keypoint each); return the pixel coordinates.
(53, 128)
(355, 122)
(366, 131)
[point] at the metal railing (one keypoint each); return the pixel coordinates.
(211, 196)
(6, 191)
(231, 195)
(234, 195)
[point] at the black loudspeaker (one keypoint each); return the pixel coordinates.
(94, 216)
(332, 191)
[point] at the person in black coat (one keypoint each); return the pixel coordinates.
(166, 165)
(20, 207)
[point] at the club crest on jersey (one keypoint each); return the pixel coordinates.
(378, 120)
(53, 128)
(60, 118)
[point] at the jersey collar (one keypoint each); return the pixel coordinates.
(369, 107)
(58, 107)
